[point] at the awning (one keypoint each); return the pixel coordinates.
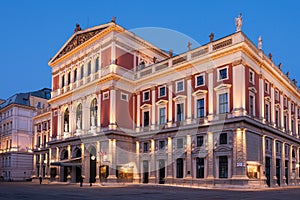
(68, 163)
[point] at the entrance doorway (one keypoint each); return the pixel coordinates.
(145, 172)
(162, 171)
(278, 171)
(93, 161)
(286, 168)
(268, 170)
(78, 173)
(65, 177)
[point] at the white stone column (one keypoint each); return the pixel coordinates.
(283, 179)
(152, 162)
(113, 51)
(189, 99)
(59, 124)
(112, 156)
(169, 161)
(136, 172)
(112, 107)
(170, 103)
(85, 117)
(296, 121)
(188, 172)
(99, 112)
(261, 98)
(273, 177)
(153, 109)
(138, 111)
(98, 159)
(263, 159)
(210, 155)
(210, 94)
(272, 109)
(239, 93)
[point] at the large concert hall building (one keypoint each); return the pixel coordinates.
(123, 110)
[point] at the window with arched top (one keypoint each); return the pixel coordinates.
(64, 154)
(77, 153)
(93, 113)
(97, 64)
(79, 117)
(66, 120)
(89, 68)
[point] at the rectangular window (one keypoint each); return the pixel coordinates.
(179, 143)
(89, 68)
(277, 118)
(146, 118)
(223, 138)
(161, 145)
(145, 147)
(106, 95)
(124, 96)
(45, 139)
(179, 112)
(223, 103)
(199, 80)
(97, 64)
(285, 101)
(251, 77)
(200, 108)
(146, 96)
(292, 107)
(162, 116)
(293, 126)
(267, 114)
(223, 167)
(162, 91)
(266, 87)
(199, 141)
(179, 86)
(285, 122)
(251, 105)
(223, 74)
(276, 95)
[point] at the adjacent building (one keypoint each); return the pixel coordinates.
(222, 114)
(16, 133)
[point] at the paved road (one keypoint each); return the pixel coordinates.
(32, 191)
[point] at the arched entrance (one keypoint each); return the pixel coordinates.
(65, 170)
(93, 161)
(77, 154)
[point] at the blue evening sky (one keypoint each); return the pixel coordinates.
(32, 31)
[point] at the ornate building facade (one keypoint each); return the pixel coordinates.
(16, 133)
(124, 110)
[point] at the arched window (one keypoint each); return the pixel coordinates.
(64, 154)
(66, 120)
(81, 72)
(63, 81)
(89, 68)
(179, 168)
(200, 168)
(75, 75)
(79, 117)
(77, 153)
(97, 64)
(93, 113)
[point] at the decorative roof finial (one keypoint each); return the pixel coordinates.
(211, 37)
(239, 22)
(280, 66)
(113, 19)
(288, 74)
(259, 45)
(189, 46)
(270, 56)
(77, 28)
(171, 53)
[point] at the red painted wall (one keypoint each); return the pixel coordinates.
(105, 108)
(124, 110)
(54, 125)
(55, 83)
(106, 57)
(124, 59)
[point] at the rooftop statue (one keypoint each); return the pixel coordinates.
(239, 23)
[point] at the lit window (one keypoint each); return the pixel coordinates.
(179, 86)
(199, 80)
(223, 74)
(162, 91)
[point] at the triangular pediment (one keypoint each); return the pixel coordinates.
(146, 106)
(222, 86)
(223, 148)
(161, 102)
(77, 39)
(179, 98)
(199, 92)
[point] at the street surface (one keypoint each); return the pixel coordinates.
(32, 191)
